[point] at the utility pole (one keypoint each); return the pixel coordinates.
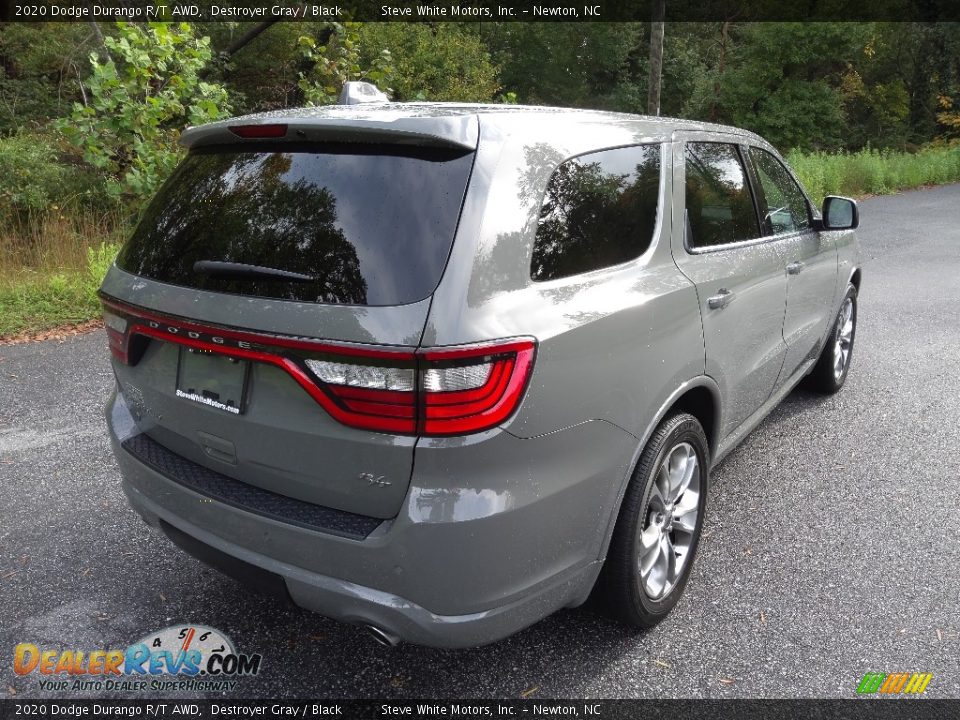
(656, 56)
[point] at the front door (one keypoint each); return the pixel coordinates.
(810, 260)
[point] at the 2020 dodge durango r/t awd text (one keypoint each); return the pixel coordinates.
(440, 370)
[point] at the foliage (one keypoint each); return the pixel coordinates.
(442, 61)
(851, 97)
(37, 301)
(99, 260)
(571, 64)
(147, 89)
(262, 76)
(784, 83)
(37, 174)
(949, 114)
(339, 62)
(875, 172)
(41, 65)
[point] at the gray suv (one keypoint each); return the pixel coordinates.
(439, 370)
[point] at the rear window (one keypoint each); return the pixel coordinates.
(361, 225)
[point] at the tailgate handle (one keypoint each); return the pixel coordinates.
(218, 448)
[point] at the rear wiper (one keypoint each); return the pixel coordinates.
(243, 271)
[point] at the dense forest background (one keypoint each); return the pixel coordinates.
(90, 112)
(813, 86)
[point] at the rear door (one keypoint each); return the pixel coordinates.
(738, 274)
(266, 309)
(811, 259)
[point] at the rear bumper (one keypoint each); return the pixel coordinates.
(481, 548)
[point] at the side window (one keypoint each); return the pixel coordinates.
(720, 207)
(599, 210)
(783, 204)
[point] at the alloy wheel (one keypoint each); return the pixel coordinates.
(671, 517)
(843, 340)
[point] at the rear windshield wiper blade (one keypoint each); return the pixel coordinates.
(243, 271)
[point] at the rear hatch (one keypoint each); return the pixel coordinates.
(275, 258)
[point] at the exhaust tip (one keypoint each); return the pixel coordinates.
(384, 637)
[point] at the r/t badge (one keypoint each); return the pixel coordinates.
(379, 480)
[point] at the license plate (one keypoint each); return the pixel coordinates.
(214, 380)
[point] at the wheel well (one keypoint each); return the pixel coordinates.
(700, 403)
(855, 279)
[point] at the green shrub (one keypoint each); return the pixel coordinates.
(36, 301)
(37, 175)
(142, 95)
(99, 260)
(875, 172)
(339, 62)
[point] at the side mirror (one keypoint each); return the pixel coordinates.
(840, 213)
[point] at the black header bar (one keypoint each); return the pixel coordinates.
(479, 10)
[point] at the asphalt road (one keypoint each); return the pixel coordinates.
(831, 548)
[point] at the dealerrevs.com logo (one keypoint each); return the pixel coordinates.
(180, 657)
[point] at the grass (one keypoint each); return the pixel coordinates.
(50, 268)
(875, 172)
(52, 262)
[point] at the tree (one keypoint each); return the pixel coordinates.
(656, 58)
(41, 65)
(338, 61)
(572, 64)
(442, 61)
(139, 99)
(783, 81)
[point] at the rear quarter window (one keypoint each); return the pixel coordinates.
(362, 225)
(599, 210)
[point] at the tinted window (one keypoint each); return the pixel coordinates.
(599, 210)
(362, 225)
(783, 203)
(720, 207)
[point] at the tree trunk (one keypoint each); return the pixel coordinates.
(247, 37)
(721, 66)
(656, 57)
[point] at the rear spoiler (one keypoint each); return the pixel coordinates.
(381, 123)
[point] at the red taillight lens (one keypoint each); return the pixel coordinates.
(466, 390)
(116, 326)
(449, 391)
(370, 396)
(437, 391)
(259, 131)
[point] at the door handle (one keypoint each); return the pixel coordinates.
(720, 300)
(795, 267)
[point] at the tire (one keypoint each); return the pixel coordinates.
(626, 590)
(831, 370)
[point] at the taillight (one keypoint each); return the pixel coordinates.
(259, 131)
(117, 337)
(469, 389)
(435, 391)
(371, 396)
